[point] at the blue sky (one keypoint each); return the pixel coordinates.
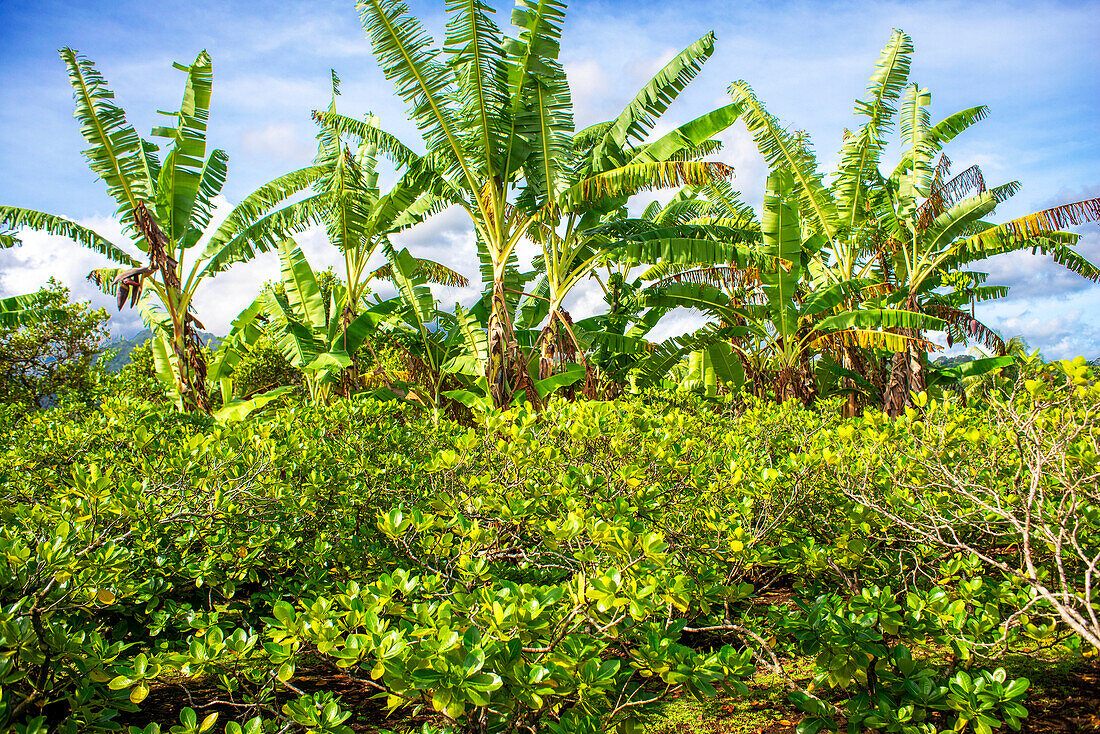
(1033, 63)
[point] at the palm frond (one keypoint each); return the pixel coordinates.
(630, 179)
(180, 176)
(950, 127)
(947, 195)
(782, 149)
(431, 271)
(691, 138)
(871, 339)
(962, 327)
(263, 234)
(782, 237)
(940, 238)
(1054, 219)
(721, 276)
(211, 182)
(639, 116)
(879, 318)
(727, 208)
(303, 294)
(546, 121)
(257, 204)
(585, 139)
(539, 42)
(18, 311)
(476, 49)
(662, 357)
(862, 151)
(406, 53)
(117, 155)
(16, 218)
(400, 154)
(914, 175)
(294, 338)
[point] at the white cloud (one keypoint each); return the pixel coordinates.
(27, 268)
(588, 84)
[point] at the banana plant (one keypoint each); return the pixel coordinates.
(245, 331)
(495, 115)
(921, 225)
(684, 246)
(358, 217)
(311, 333)
(166, 208)
(18, 310)
(933, 226)
(22, 310)
(577, 191)
(795, 315)
(445, 353)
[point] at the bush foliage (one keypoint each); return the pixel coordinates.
(558, 571)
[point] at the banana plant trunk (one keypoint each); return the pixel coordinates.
(548, 349)
(849, 360)
(190, 361)
(907, 375)
(349, 378)
(502, 349)
(191, 366)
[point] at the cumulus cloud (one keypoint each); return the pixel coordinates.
(1060, 334)
(588, 85)
(447, 238)
(1031, 275)
(43, 256)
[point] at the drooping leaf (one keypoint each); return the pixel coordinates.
(15, 218)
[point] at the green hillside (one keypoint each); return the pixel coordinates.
(118, 351)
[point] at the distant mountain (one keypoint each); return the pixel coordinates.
(953, 361)
(122, 347)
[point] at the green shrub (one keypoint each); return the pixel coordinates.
(565, 570)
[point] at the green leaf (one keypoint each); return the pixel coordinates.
(690, 135)
(782, 239)
(784, 150)
(14, 218)
(337, 361)
(182, 173)
(861, 151)
(569, 376)
(238, 410)
(302, 292)
(639, 116)
(117, 155)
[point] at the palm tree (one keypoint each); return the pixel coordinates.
(494, 113)
(166, 208)
(697, 252)
(586, 185)
(934, 226)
